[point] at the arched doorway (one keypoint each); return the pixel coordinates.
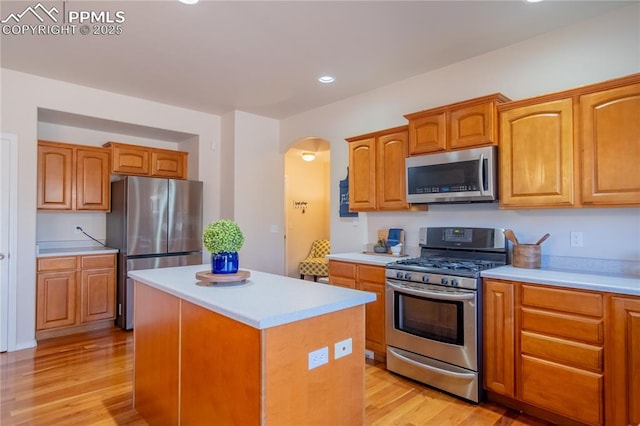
(307, 199)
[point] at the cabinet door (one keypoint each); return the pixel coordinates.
(536, 155)
(623, 361)
(55, 299)
(472, 126)
(92, 179)
(130, 159)
(170, 164)
(428, 134)
(391, 151)
(372, 279)
(98, 295)
(610, 135)
(362, 175)
(342, 274)
(499, 337)
(55, 177)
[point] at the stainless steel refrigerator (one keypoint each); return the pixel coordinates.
(155, 223)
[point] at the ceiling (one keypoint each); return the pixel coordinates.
(265, 57)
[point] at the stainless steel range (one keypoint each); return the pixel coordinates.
(433, 308)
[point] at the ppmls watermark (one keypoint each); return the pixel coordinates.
(57, 20)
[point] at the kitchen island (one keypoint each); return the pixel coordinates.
(272, 350)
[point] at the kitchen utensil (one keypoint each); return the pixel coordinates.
(544, 237)
(511, 236)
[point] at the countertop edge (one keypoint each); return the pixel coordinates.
(581, 281)
(365, 258)
(81, 251)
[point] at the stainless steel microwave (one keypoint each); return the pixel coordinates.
(464, 176)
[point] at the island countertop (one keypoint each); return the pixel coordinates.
(264, 300)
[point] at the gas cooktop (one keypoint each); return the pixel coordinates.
(448, 265)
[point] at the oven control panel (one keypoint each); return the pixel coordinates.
(429, 278)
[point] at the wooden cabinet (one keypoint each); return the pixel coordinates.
(545, 349)
(56, 292)
(74, 293)
(623, 360)
(610, 139)
(537, 155)
(98, 288)
(366, 278)
(145, 161)
(461, 125)
(499, 331)
(576, 148)
(377, 170)
(560, 359)
(73, 177)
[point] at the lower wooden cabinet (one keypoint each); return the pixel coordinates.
(545, 352)
(366, 278)
(622, 347)
(74, 293)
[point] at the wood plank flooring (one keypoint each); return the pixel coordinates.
(86, 379)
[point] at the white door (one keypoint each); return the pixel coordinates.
(8, 178)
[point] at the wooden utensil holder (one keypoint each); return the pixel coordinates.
(526, 256)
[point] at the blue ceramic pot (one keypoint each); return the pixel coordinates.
(224, 263)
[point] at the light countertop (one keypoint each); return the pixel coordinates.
(367, 258)
(578, 280)
(74, 251)
(264, 300)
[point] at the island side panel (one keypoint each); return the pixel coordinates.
(220, 358)
(331, 394)
(156, 348)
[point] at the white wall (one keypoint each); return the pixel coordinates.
(258, 192)
(593, 51)
(22, 95)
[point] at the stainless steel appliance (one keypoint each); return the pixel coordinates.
(155, 223)
(433, 308)
(463, 176)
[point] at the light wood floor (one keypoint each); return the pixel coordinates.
(87, 380)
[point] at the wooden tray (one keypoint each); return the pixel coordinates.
(208, 277)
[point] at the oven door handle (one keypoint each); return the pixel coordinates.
(463, 376)
(436, 295)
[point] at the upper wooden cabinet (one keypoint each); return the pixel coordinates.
(576, 148)
(536, 155)
(461, 125)
(377, 170)
(144, 161)
(610, 139)
(73, 177)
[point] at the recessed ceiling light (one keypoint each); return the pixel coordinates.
(188, 1)
(532, 1)
(326, 79)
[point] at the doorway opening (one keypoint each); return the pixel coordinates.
(307, 199)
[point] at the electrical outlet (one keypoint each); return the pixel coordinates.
(577, 239)
(368, 354)
(342, 348)
(318, 357)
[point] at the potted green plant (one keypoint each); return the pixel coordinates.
(223, 239)
(381, 246)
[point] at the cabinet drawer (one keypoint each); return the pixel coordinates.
(570, 301)
(562, 325)
(99, 261)
(371, 273)
(342, 282)
(68, 263)
(342, 269)
(563, 351)
(567, 391)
